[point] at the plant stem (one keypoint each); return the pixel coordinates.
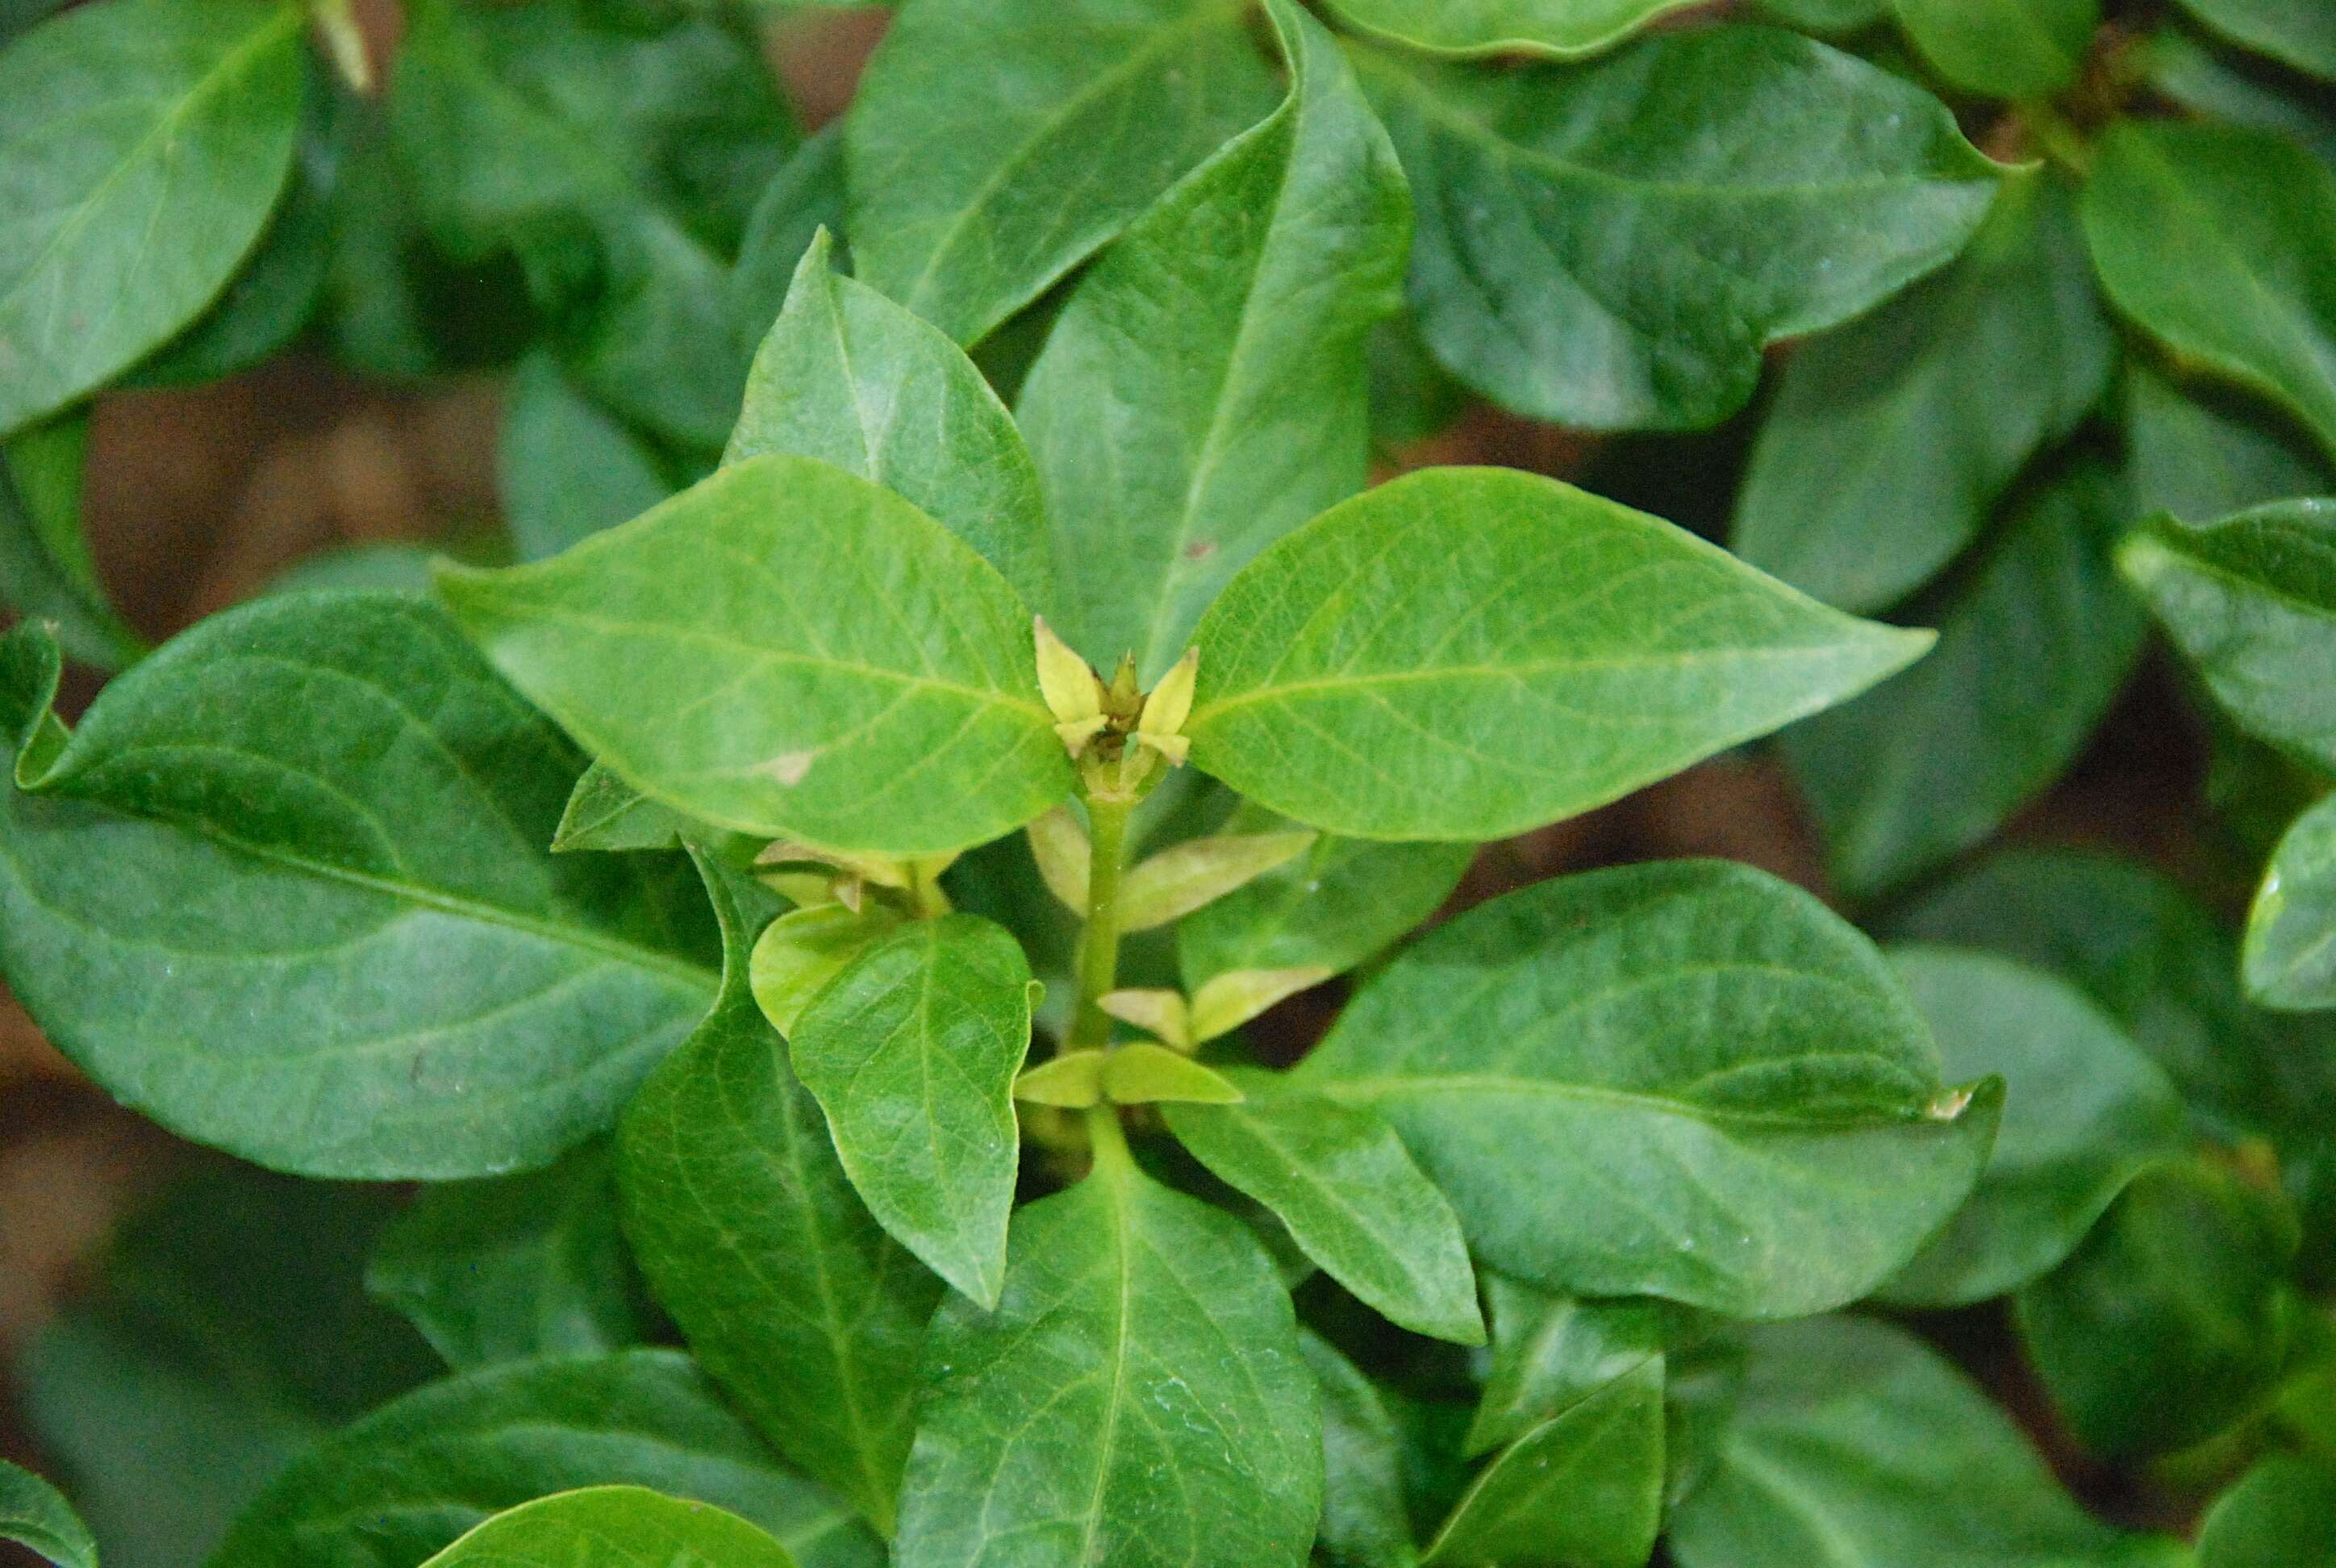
(1107, 1138)
(1099, 947)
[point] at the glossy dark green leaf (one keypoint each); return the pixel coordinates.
(787, 1290)
(142, 144)
(1339, 1177)
(851, 378)
(1364, 1524)
(2172, 1320)
(2084, 1111)
(45, 570)
(324, 822)
(994, 146)
(566, 468)
(2034, 638)
(2303, 36)
(1687, 1079)
(1855, 1445)
(2003, 48)
(1612, 245)
(32, 1515)
(787, 649)
(514, 1266)
(2251, 601)
(1467, 653)
(2220, 243)
(1550, 1351)
(2290, 954)
(2202, 452)
(412, 1477)
(1893, 438)
(614, 1527)
(1203, 391)
(1584, 1487)
(1560, 29)
(1138, 1397)
(2281, 1515)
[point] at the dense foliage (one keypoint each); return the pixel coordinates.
(809, 901)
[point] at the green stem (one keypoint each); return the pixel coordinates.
(1099, 948)
(1108, 1139)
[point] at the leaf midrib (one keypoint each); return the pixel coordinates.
(1392, 1086)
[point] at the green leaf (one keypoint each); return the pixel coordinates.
(1204, 391)
(2289, 953)
(2084, 1112)
(1364, 1524)
(2035, 640)
(851, 378)
(1339, 1177)
(1686, 1080)
(566, 468)
(789, 1292)
(1893, 437)
(2201, 454)
(911, 1050)
(1195, 874)
(1140, 1073)
(2171, 1322)
(1138, 1397)
(326, 819)
(514, 1266)
(146, 143)
(1855, 1445)
(787, 649)
(1612, 245)
(1468, 653)
(2281, 1515)
(606, 814)
(1584, 1487)
(409, 1479)
(2025, 49)
(614, 1527)
(2251, 601)
(1558, 29)
(806, 196)
(1826, 16)
(45, 570)
(32, 1515)
(803, 949)
(2220, 243)
(2237, 90)
(2303, 36)
(994, 146)
(1552, 1351)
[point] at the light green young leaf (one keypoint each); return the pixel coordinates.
(2289, 957)
(2084, 1111)
(2172, 1321)
(146, 142)
(614, 1527)
(512, 1267)
(2202, 452)
(787, 649)
(1195, 874)
(1339, 1177)
(1468, 653)
(2281, 1515)
(409, 1479)
(2035, 640)
(1893, 437)
(566, 468)
(911, 1050)
(1224, 1002)
(2302, 36)
(789, 1292)
(1140, 1073)
(1073, 1080)
(329, 821)
(1855, 1445)
(851, 378)
(1567, 269)
(1550, 1351)
(1559, 29)
(1364, 1521)
(994, 146)
(2220, 243)
(45, 570)
(2021, 49)
(1203, 392)
(1584, 1487)
(1137, 1399)
(34, 1515)
(803, 949)
(1687, 1079)
(2251, 601)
